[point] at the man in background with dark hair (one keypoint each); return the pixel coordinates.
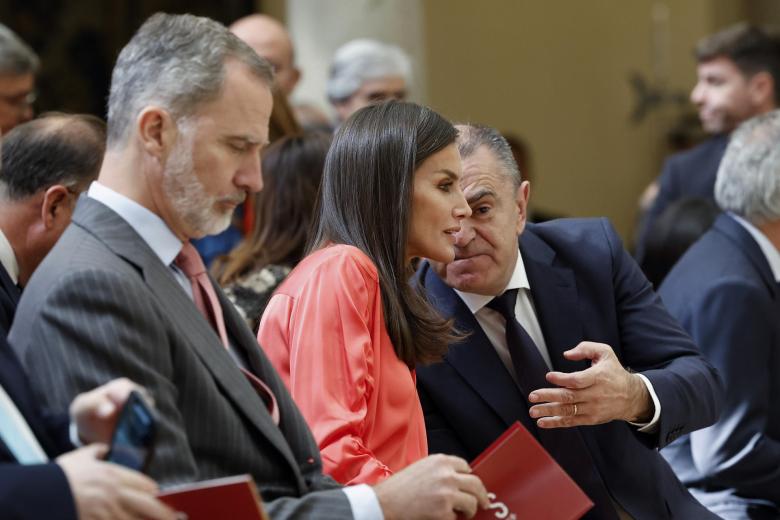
(738, 77)
(46, 163)
(18, 65)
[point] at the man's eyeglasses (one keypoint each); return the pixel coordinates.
(22, 100)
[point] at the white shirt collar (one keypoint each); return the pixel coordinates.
(771, 253)
(8, 258)
(518, 280)
(151, 228)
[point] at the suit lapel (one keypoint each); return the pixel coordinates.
(749, 247)
(9, 287)
(14, 381)
(9, 300)
(475, 358)
(191, 327)
(554, 293)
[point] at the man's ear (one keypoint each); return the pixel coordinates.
(55, 206)
(156, 131)
(296, 74)
(521, 199)
(761, 87)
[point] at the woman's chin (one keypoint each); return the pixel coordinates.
(442, 257)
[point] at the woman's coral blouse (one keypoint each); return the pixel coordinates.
(324, 331)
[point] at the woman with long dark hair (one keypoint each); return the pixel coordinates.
(346, 329)
(292, 169)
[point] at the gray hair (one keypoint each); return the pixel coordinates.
(748, 182)
(177, 62)
(471, 137)
(16, 57)
(360, 60)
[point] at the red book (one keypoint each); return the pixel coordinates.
(524, 481)
(232, 497)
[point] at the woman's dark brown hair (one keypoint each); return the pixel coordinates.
(292, 169)
(366, 201)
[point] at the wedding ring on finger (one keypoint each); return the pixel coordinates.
(575, 409)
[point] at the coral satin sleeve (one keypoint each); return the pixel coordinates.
(324, 332)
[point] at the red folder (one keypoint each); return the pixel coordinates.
(235, 498)
(524, 481)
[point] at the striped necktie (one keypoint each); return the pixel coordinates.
(205, 298)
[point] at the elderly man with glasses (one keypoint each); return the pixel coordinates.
(18, 65)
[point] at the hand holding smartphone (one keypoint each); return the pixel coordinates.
(132, 444)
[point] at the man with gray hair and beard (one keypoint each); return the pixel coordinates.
(124, 293)
(725, 292)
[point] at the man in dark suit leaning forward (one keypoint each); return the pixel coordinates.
(124, 293)
(622, 378)
(726, 293)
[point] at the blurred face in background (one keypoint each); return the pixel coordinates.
(269, 39)
(371, 92)
(724, 96)
(17, 95)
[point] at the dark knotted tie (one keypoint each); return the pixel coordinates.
(566, 445)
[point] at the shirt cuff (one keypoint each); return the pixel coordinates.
(73, 433)
(652, 426)
(364, 503)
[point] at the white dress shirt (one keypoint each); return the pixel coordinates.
(771, 253)
(166, 245)
(494, 326)
(8, 258)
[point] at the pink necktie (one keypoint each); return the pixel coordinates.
(205, 298)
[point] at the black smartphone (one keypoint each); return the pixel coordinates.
(132, 444)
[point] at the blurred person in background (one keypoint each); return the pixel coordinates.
(284, 209)
(18, 66)
(270, 39)
(725, 292)
(46, 164)
(364, 72)
(738, 77)
(677, 229)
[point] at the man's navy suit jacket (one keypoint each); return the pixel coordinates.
(725, 295)
(9, 299)
(688, 174)
(584, 286)
(39, 491)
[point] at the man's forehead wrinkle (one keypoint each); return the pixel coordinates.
(476, 177)
(478, 192)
